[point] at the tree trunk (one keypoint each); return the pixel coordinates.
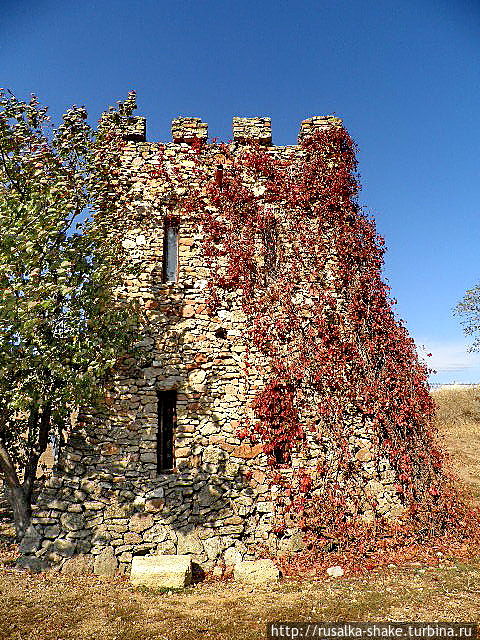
(15, 493)
(39, 431)
(22, 510)
(19, 494)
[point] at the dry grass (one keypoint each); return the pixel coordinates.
(458, 422)
(55, 607)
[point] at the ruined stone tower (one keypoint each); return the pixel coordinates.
(166, 468)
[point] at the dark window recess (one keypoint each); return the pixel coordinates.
(221, 333)
(270, 242)
(281, 456)
(170, 252)
(167, 420)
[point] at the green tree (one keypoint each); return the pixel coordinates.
(469, 310)
(62, 326)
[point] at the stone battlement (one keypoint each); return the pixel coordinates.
(189, 129)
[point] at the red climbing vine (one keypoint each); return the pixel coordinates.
(345, 401)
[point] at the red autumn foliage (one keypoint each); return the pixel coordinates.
(318, 309)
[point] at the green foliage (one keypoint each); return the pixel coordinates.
(469, 309)
(62, 325)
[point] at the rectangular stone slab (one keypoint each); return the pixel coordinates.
(256, 571)
(174, 572)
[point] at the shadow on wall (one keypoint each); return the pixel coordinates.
(106, 500)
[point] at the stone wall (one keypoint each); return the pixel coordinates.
(106, 500)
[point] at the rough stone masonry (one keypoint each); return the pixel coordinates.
(163, 470)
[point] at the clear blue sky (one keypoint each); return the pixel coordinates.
(404, 75)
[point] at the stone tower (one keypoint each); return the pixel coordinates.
(165, 469)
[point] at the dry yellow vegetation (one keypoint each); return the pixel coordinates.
(458, 423)
(57, 607)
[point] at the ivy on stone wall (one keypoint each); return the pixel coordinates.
(286, 232)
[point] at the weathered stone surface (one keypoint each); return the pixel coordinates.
(213, 547)
(294, 544)
(232, 556)
(156, 504)
(79, 565)
(196, 379)
(106, 563)
(189, 543)
(374, 488)
(132, 538)
(51, 532)
(72, 521)
(31, 541)
(364, 455)
(64, 547)
(32, 563)
(140, 522)
(247, 452)
(161, 571)
(256, 572)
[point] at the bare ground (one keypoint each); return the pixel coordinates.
(55, 607)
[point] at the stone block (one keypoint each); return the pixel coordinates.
(31, 541)
(154, 505)
(189, 543)
(256, 572)
(364, 455)
(174, 572)
(374, 488)
(132, 538)
(72, 521)
(159, 492)
(265, 507)
(31, 563)
(157, 533)
(106, 563)
(79, 565)
(294, 544)
(58, 505)
(213, 547)
(51, 532)
(93, 505)
(247, 452)
(64, 547)
(232, 556)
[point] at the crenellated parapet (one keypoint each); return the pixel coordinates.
(316, 123)
(247, 130)
(133, 128)
(188, 129)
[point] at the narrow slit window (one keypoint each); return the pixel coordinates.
(167, 419)
(170, 252)
(281, 456)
